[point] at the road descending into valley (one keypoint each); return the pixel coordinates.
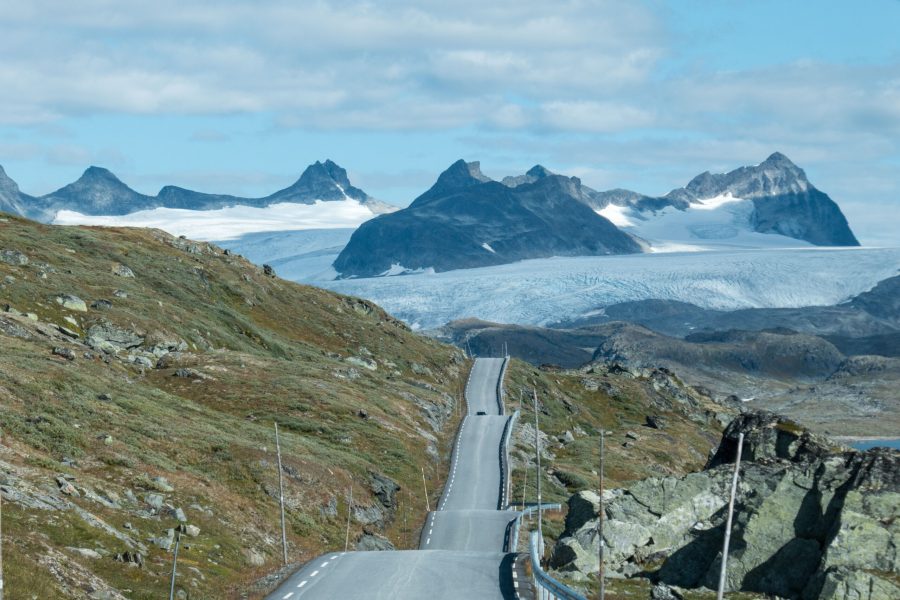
(462, 549)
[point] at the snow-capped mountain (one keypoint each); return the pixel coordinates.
(770, 204)
(323, 197)
(467, 220)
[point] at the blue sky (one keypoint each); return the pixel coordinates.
(238, 97)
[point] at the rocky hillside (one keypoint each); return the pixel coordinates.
(140, 377)
(467, 220)
(812, 520)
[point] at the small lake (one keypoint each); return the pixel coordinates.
(866, 444)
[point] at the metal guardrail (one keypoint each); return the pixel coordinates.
(545, 587)
(517, 523)
(500, 385)
(504, 461)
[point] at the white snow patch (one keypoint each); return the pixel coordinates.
(718, 223)
(234, 221)
(398, 269)
(487, 247)
(620, 216)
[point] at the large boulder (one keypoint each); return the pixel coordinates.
(811, 520)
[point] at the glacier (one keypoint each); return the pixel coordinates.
(544, 291)
(232, 222)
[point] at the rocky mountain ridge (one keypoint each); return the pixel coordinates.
(466, 220)
(784, 202)
(99, 192)
(812, 520)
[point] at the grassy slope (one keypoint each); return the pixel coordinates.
(266, 348)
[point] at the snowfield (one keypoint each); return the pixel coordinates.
(234, 221)
(538, 292)
(715, 223)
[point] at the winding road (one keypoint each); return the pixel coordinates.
(462, 548)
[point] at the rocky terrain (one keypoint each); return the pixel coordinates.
(140, 377)
(99, 192)
(834, 368)
(812, 519)
(467, 220)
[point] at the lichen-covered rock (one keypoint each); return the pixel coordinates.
(112, 339)
(71, 302)
(811, 520)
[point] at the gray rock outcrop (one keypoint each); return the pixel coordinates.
(811, 520)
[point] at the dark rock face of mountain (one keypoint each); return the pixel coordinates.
(12, 200)
(99, 192)
(467, 221)
(784, 201)
(321, 181)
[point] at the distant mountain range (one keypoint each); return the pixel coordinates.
(467, 220)
(100, 193)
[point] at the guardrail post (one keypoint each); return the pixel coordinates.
(600, 515)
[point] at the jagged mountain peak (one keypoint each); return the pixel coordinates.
(777, 159)
(6, 182)
(775, 176)
(533, 174)
(326, 181)
(539, 172)
(459, 175)
(94, 173)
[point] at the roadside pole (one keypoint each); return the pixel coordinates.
(175, 564)
(281, 498)
(524, 488)
(600, 516)
(734, 482)
(349, 512)
(537, 451)
(425, 486)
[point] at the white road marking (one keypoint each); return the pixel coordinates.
(286, 596)
(428, 541)
(324, 564)
(314, 573)
(301, 584)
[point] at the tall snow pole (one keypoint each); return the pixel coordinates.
(349, 512)
(425, 487)
(734, 483)
(537, 451)
(600, 515)
(281, 497)
(174, 566)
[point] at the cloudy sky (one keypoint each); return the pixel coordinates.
(239, 96)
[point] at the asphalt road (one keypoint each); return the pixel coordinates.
(461, 549)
